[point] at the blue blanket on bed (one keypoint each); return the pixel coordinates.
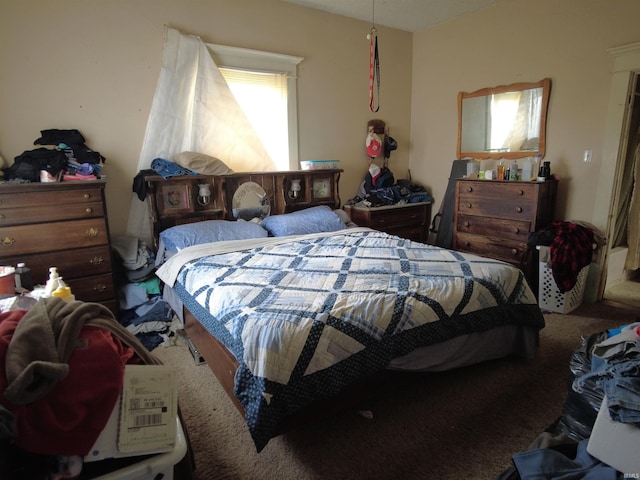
(309, 316)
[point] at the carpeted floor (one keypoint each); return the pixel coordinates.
(461, 424)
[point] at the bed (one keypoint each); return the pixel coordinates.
(294, 321)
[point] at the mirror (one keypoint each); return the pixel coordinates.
(509, 121)
(250, 201)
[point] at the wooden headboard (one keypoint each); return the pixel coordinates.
(174, 201)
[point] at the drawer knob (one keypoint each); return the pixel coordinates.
(514, 251)
(468, 204)
(7, 242)
(87, 196)
(517, 230)
(100, 287)
(520, 192)
(89, 210)
(2, 217)
(467, 244)
(96, 260)
(469, 189)
(467, 224)
(519, 209)
(92, 232)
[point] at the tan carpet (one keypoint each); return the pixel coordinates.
(461, 424)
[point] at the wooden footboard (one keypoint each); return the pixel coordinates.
(220, 360)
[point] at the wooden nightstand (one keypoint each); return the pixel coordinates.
(409, 220)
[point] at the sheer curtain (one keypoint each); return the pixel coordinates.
(193, 110)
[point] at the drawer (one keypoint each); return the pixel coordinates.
(54, 195)
(24, 239)
(83, 262)
(523, 192)
(397, 217)
(476, 205)
(493, 247)
(95, 288)
(49, 213)
(490, 226)
(412, 232)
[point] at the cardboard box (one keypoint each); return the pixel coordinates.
(143, 420)
(615, 443)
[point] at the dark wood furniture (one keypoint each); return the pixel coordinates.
(317, 187)
(494, 218)
(61, 224)
(408, 220)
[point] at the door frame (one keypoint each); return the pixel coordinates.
(626, 64)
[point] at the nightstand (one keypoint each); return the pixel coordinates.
(408, 220)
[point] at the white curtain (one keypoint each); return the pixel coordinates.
(194, 110)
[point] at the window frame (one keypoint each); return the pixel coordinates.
(261, 61)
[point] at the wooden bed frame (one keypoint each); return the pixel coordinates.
(319, 187)
(277, 185)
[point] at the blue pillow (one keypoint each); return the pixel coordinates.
(182, 236)
(310, 220)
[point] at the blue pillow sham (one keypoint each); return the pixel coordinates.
(310, 220)
(176, 238)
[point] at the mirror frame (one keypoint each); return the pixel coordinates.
(546, 90)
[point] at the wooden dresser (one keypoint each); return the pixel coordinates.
(494, 218)
(409, 220)
(63, 225)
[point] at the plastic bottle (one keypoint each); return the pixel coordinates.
(537, 163)
(527, 169)
(24, 280)
(500, 170)
(64, 293)
(513, 171)
(54, 282)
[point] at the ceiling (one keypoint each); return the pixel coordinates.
(408, 15)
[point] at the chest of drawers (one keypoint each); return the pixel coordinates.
(409, 220)
(494, 218)
(63, 225)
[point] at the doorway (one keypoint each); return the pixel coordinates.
(619, 285)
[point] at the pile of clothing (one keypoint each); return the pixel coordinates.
(53, 405)
(604, 373)
(380, 188)
(143, 311)
(62, 155)
(571, 246)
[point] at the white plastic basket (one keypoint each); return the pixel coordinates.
(550, 298)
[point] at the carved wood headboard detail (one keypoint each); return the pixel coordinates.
(174, 201)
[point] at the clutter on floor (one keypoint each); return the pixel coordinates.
(143, 311)
(598, 432)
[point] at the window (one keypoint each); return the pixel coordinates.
(264, 85)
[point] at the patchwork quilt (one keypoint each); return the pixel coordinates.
(307, 315)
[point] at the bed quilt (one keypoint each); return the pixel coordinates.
(307, 315)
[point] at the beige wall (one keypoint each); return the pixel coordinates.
(93, 65)
(516, 41)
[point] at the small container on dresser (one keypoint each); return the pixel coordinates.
(63, 225)
(494, 219)
(409, 220)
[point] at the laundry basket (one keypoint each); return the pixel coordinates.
(552, 299)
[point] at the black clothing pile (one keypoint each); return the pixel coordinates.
(65, 151)
(382, 189)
